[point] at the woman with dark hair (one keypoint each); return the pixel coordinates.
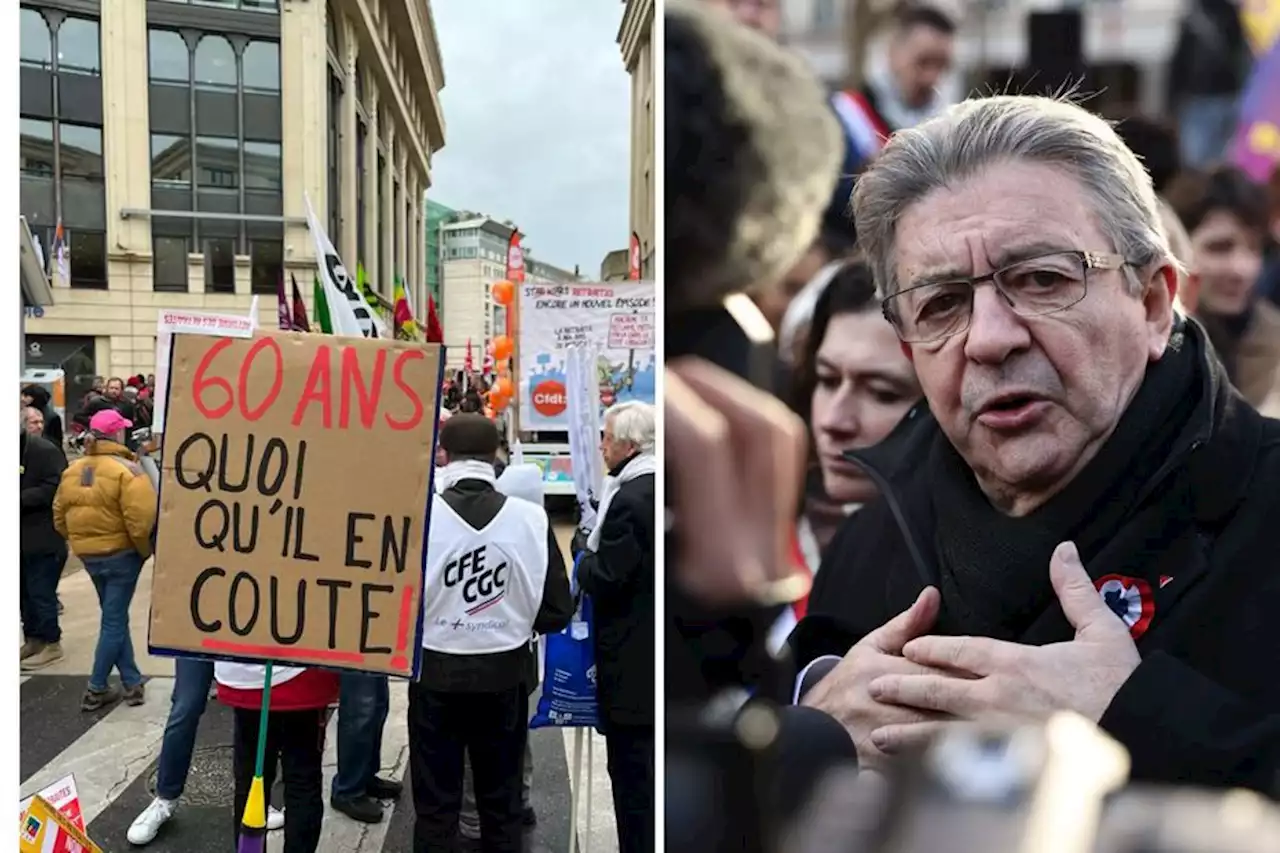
(853, 384)
(1228, 218)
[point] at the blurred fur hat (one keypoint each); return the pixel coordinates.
(752, 152)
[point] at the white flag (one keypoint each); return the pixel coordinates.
(348, 312)
(582, 403)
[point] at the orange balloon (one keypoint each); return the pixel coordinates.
(502, 348)
(503, 368)
(500, 403)
(503, 386)
(503, 292)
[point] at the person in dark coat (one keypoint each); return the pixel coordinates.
(616, 570)
(43, 552)
(1081, 514)
(37, 397)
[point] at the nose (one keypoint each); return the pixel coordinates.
(995, 331)
(840, 419)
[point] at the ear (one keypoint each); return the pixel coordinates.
(1157, 303)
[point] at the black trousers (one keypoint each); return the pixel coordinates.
(493, 729)
(295, 740)
(630, 750)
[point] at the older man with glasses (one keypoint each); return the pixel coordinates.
(1081, 515)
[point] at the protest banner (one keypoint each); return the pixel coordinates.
(64, 797)
(614, 319)
(1256, 147)
(172, 322)
(293, 500)
(45, 830)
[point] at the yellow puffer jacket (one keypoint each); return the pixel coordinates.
(105, 503)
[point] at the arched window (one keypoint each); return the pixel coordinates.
(168, 58)
(261, 63)
(78, 47)
(35, 44)
(215, 64)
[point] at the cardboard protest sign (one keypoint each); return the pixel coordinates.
(45, 830)
(170, 323)
(293, 500)
(64, 797)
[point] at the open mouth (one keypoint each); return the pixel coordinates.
(1010, 404)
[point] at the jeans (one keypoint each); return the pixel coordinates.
(1206, 124)
(38, 595)
(115, 578)
(363, 703)
(192, 678)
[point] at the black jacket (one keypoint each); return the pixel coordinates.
(477, 502)
(42, 466)
(618, 576)
(1203, 708)
(1212, 56)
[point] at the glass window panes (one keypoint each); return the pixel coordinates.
(262, 166)
(35, 44)
(36, 147)
(217, 162)
(168, 57)
(78, 46)
(261, 63)
(88, 250)
(81, 151)
(220, 265)
(215, 63)
(260, 5)
(267, 265)
(169, 256)
(170, 159)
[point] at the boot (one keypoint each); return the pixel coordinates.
(48, 653)
(96, 699)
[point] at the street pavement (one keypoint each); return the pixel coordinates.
(113, 754)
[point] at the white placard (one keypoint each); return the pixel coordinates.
(172, 322)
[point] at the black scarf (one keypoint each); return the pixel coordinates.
(994, 569)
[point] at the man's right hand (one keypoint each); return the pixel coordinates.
(844, 692)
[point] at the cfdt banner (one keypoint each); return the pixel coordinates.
(614, 319)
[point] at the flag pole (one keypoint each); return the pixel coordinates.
(253, 823)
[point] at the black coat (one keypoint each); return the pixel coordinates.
(42, 466)
(619, 578)
(1203, 708)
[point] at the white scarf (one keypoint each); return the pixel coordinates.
(465, 469)
(640, 465)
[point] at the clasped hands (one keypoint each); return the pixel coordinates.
(898, 686)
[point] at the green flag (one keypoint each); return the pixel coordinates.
(322, 309)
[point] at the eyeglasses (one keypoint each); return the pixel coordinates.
(1033, 287)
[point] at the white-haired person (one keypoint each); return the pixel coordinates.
(617, 570)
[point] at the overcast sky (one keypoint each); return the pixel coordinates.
(537, 109)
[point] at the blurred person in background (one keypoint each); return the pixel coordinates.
(616, 570)
(1269, 281)
(1153, 141)
(38, 397)
(106, 509)
(752, 154)
(1081, 518)
(1228, 218)
(1207, 72)
(43, 551)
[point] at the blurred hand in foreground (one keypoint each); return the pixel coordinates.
(734, 458)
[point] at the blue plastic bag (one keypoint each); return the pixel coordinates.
(569, 680)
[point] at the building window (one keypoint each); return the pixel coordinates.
(60, 127)
(389, 275)
(267, 265)
(169, 263)
(334, 154)
(88, 250)
(215, 144)
(382, 225)
(220, 265)
(246, 5)
(361, 245)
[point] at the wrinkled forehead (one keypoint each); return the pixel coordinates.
(1000, 216)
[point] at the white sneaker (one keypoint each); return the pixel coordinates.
(147, 824)
(275, 818)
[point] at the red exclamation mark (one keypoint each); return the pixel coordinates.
(399, 661)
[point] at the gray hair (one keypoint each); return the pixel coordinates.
(981, 132)
(634, 423)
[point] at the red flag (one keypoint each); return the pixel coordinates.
(282, 306)
(300, 323)
(435, 333)
(468, 365)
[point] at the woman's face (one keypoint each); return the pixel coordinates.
(865, 386)
(1226, 260)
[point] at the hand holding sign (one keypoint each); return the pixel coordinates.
(293, 500)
